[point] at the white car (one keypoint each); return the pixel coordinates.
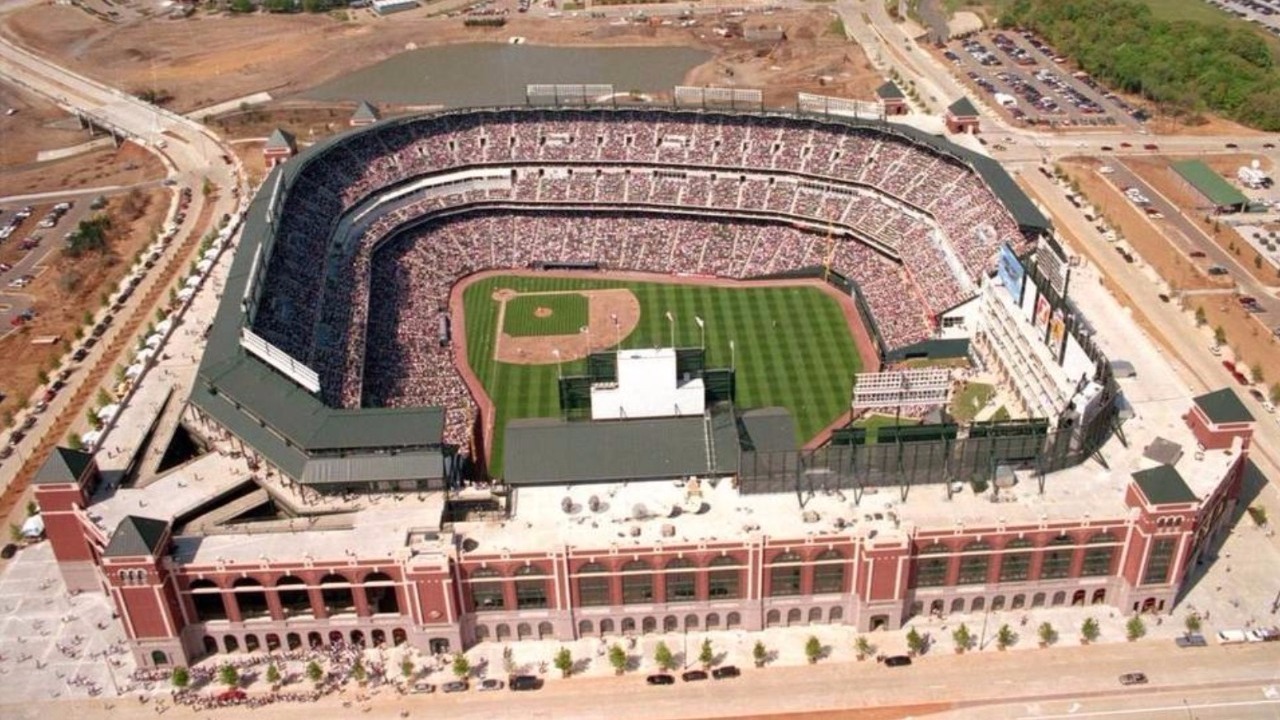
(1232, 637)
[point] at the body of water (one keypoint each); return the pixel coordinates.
(496, 74)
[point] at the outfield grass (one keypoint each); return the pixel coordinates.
(569, 313)
(966, 403)
(793, 347)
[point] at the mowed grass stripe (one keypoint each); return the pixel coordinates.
(793, 347)
(568, 313)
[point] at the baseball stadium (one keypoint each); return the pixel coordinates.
(543, 372)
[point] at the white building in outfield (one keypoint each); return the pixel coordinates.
(648, 386)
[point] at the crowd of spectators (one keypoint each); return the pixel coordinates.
(369, 320)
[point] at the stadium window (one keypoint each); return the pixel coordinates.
(530, 593)
(637, 583)
(1097, 560)
(722, 579)
(828, 572)
(1158, 562)
(1057, 562)
(1016, 566)
(681, 586)
(974, 564)
(593, 586)
(931, 570)
(486, 590)
(784, 575)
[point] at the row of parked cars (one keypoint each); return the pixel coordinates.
(516, 683)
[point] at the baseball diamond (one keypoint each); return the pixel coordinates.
(545, 314)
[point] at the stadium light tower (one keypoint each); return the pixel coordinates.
(586, 330)
(671, 320)
(556, 353)
(733, 356)
(702, 330)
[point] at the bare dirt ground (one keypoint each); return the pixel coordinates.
(1251, 342)
(37, 125)
(1156, 171)
(67, 288)
(211, 58)
(604, 308)
(124, 166)
(1178, 269)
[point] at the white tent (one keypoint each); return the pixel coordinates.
(144, 355)
(33, 527)
(106, 412)
(204, 266)
(185, 294)
(154, 340)
(134, 371)
(193, 281)
(164, 326)
(212, 253)
(91, 438)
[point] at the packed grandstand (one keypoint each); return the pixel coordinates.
(401, 210)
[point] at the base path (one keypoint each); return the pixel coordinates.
(612, 315)
(861, 336)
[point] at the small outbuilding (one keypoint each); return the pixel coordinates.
(280, 147)
(962, 117)
(365, 114)
(892, 100)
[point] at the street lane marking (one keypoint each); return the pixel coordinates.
(1182, 707)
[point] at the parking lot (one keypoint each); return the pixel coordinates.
(1261, 12)
(28, 233)
(1024, 78)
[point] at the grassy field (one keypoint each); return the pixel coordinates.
(793, 347)
(969, 402)
(568, 315)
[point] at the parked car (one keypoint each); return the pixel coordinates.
(1191, 640)
(728, 671)
(897, 660)
(1133, 679)
(521, 683)
(454, 686)
(422, 688)
(660, 679)
(1197, 253)
(1232, 637)
(693, 676)
(9, 551)
(490, 685)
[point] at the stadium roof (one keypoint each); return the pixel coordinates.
(768, 430)
(962, 108)
(1223, 406)
(1210, 184)
(136, 537)
(378, 468)
(543, 451)
(1162, 485)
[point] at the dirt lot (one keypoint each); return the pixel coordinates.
(1178, 269)
(67, 288)
(37, 125)
(1250, 341)
(126, 165)
(1156, 172)
(211, 58)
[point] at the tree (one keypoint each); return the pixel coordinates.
(42, 376)
(662, 655)
(759, 654)
(1047, 634)
(406, 668)
(314, 672)
(1201, 317)
(863, 647)
(1193, 623)
(228, 675)
(32, 508)
(915, 642)
(15, 532)
(1089, 631)
(813, 649)
(1134, 629)
(358, 673)
(618, 659)
(75, 442)
(1275, 393)
(707, 655)
(273, 674)
(1005, 637)
(461, 666)
(1255, 371)
(1220, 335)
(564, 662)
(181, 678)
(963, 638)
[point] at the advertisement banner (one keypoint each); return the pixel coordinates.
(1011, 273)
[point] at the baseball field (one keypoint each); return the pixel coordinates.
(791, 345)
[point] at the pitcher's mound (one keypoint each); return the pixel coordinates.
(542, 312)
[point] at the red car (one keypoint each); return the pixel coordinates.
(232, 694)
(1150, 146)
(1230, 366)
(1240, 378)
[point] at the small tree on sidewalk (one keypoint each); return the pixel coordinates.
(1089, 631)
(228, 675)
(1201, 319)
(618, 659)
(1220, 335)
(1047, 634)
(759, 654)
(1134, 629)
(407, 668)
(273, 674)
(915, 642)
(1193, 623)
(813, 649)
(564, 662)
(315, 673)
(461, 666)
(863, 647)
(1005, 637)
(706, 655)
(181, 678)
(358, 673)
(663, 657)
(963, 638)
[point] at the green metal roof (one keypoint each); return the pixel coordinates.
(768, 430)
(279, 140)
(1209, 183)
(1162, 485)
(63, 465)
(136, 537)
(544, 451)
(1224, 406)
(890, 91)
(372, 468)
(963, 108)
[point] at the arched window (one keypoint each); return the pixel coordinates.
(784, 575)
(486, 590)
(931, 567)
(1057, 558)
(335, 591)
(206, 596)
(1015, 563)
(637, 583)
(380, 590)
(531, 588)
(251, 599)
(828, 572)
(1098, 554)
(593, 585)
(681, 581)
(723, 579)
(974, 561)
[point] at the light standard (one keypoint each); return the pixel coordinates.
(702, 332)
(586, 330)
(617, 331)
(556, 353)
(733, 356)
(671, 320)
